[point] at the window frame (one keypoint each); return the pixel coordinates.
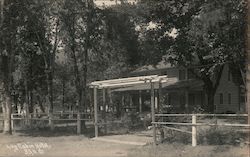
(229, 95)
(182, 74)
(221, 98)
(229, 77)
(190, 75)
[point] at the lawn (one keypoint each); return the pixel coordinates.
(81, 146)
(59, 146)
(181, 150)
(64, 143)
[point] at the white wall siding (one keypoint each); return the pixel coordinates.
(225, 87)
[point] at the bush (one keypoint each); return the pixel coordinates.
(207, 135)
(219, 136)
(173, 136)
(132, 121)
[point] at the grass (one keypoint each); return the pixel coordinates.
(212, 142)
(181, 150)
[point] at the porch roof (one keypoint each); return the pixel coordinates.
(170, 84)
(143, 83)
(135, 82)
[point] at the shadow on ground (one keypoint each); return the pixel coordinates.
(57, 132)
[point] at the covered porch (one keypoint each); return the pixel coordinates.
(152, 94)
(172, 96)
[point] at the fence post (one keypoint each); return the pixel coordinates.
(12, 123)
(51, 123)
(194, 137)
(78, 128)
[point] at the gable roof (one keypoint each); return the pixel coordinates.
(161, 65)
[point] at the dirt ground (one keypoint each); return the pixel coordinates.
(75, 146)
(63, 146)
(181, 150)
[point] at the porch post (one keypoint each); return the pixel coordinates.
(160, 110)
(140, 102)
(153, 111)
(156, 102)
(110, 106)
(95, 112)
(160, 97)
(187, 99)
(104, 109)
(130, 100)
(123, 104)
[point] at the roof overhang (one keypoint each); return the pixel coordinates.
(144, 83)
(169, 81)
(129, 82)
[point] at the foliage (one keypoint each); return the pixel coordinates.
(220, 136)
(41, 39)
(208, 35)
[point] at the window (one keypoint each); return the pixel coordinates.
(191, 99)
(229, 76)
(164, 72)
(182, 74)
(190, 74)
(169, 99)
(221, 98)
(242, 98)
(229, 98)
(182, 99)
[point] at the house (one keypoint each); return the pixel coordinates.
(185, 93)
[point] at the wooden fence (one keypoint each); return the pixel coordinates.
(193, 123)
(51, 118)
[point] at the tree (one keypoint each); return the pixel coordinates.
(212, 42)
(29, 31)
(7, 54)
(209, 34)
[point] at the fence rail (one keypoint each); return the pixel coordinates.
(194, 123)
(51, 117)
(201, 124)
(201, 115)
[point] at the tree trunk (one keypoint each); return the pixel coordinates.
(26, 102)
(7, 114)
(63, 94)
(211, 87)
(85, 68)
(50, 100)
(210, 100)
(40, 104)
(5, 84)
(31, 105)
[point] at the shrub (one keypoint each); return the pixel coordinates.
(219, 136)
(207, 135)
(173, 136)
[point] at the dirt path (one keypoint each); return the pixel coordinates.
(17, 145)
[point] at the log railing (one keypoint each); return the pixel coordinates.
(58, 116)
(194, 123)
